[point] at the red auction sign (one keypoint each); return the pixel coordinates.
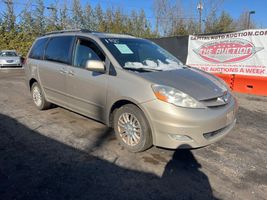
(243, 52)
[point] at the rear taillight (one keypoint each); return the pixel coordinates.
(24, 60)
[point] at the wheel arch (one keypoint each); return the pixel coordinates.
(117, 104)
(31, 82)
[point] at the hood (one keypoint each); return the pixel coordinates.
(198, 84)
(10, 58)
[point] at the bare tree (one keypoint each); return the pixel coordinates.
(39, 17)
(164, 17)
(26, 18)
(63, 16)
(170, 18)
(52, 20)
(211, 9)
(242, 22)
(9, 16)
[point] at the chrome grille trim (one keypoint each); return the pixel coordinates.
(217, 101)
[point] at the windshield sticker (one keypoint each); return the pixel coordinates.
(123, 48)
(112, 40)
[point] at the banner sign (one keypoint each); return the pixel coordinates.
(243, 52)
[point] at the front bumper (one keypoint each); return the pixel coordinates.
(10, 65)
(175, 127)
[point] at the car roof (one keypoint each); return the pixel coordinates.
(85, 32)
(112, 35)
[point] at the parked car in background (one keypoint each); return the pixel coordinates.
(146, 94)
(10, 58)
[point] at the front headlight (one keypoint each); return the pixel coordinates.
(175, 97)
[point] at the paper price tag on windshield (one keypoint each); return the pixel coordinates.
(123, 48)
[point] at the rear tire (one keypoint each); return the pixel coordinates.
(132, 129)
(38, 97)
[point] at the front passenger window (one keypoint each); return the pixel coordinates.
(86, 50)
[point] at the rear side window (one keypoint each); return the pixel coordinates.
(59, 49)
(37, 51)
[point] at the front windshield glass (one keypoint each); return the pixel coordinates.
(8, 54)
(139, 54)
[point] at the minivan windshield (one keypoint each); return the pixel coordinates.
(141, 55)
(8, 54)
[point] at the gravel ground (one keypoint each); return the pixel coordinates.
(58, 154)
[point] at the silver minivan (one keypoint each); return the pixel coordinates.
(146, 94)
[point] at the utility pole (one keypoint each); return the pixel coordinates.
(200, 8)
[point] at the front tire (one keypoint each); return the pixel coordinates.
(38, 97)
(132, 129)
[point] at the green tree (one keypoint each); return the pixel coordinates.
(211, 22)
(108, 20)
(39, 18)
(178, 28)
(52, 22)
(64, 21)
(77, 15)
(26, 21)
(118, 22)
(89, 18)
(100, 19)
(192, 27)
(224, 23)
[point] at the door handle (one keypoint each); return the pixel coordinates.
(62, 71)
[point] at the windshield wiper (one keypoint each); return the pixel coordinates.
(143, 69)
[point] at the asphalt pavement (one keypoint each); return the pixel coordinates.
(58, 154)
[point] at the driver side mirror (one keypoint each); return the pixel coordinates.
(95, 66)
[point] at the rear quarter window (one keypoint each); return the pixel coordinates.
(59, 49)
(37, 50)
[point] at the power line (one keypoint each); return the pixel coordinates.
(129, 6)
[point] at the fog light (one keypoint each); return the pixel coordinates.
(180, 137)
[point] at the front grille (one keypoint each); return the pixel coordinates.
(217, 101)
(10, 61)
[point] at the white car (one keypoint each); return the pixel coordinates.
(10, 58)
